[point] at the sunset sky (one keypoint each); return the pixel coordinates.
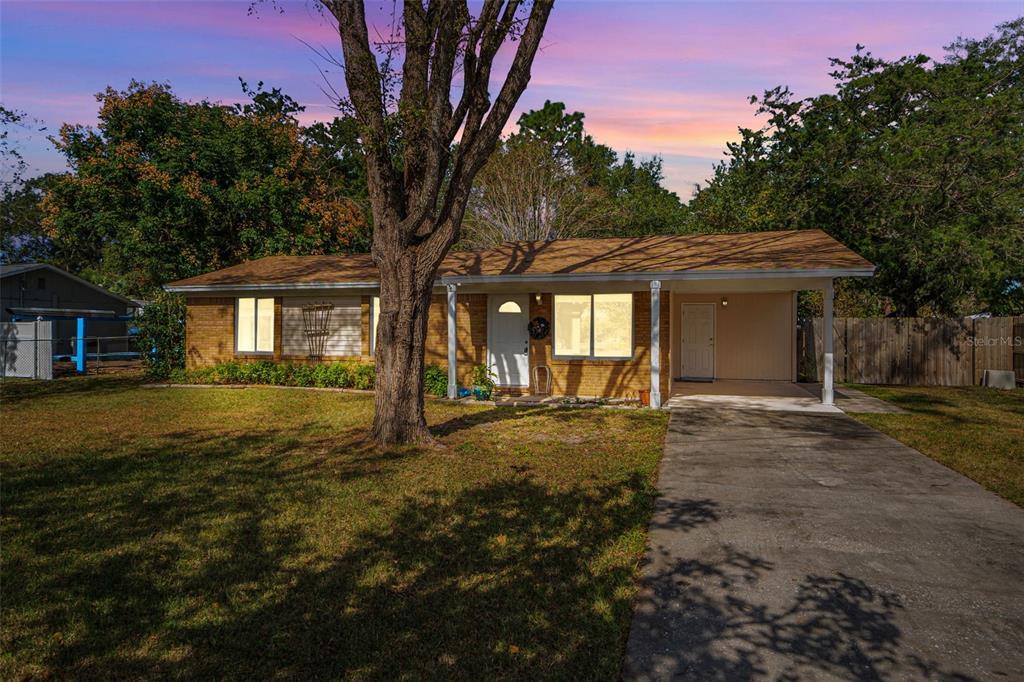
(667, 78)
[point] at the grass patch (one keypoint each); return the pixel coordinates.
(218, 533)
(976, 431)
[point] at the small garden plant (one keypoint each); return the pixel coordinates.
(435, 381)
(483, 382)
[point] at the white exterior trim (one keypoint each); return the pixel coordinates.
(646, 276)
(214, 288)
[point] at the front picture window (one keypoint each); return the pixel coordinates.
(254, 325)
(593, 325)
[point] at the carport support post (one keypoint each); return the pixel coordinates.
(827, 331)
(655, 343)
(80, 345)
(453, 384)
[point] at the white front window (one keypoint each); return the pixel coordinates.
(254, 325)
(593, 325)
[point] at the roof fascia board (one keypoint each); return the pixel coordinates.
(288, 286)
(549, 277)
(663, 276)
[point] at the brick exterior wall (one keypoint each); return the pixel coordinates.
(209, 331)
(470, 333)
(210, 337)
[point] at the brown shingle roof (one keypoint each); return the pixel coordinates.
(357, 267)
(791, 250)
(745, 251)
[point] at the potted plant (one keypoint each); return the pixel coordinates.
(483, 382)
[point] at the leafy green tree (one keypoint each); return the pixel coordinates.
(163, 189)
(914, 163)
(21, 235)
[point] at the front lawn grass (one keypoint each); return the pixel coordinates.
(256, 533)
(976, 431)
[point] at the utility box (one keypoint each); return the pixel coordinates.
(999, 378)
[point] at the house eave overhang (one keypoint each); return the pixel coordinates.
(280, 286)
(669, 276)
(541, 278)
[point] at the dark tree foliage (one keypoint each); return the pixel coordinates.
(162, 334)
(21, 236)
(163, 189)
(914, 163)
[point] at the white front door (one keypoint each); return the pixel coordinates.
(508, 342)
(698, 341)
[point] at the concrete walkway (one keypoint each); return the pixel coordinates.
(790, 545)
(780, 396)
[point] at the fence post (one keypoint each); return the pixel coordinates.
(80, 345)
(35, 348)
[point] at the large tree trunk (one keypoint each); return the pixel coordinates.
(401, 333)
(418, 203)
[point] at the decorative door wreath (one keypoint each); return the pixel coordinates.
(539, 328)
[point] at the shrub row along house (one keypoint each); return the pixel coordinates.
(574, 317)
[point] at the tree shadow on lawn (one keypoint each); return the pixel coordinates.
(14, 391)
(594, 417)
(505, 580)
(196, 556)
(107, 555)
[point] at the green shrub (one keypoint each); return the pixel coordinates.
(363, 376)
(162, 334)
(483, 382)
(435, 381)
(348, 374)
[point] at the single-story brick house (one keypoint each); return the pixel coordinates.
(610, 317)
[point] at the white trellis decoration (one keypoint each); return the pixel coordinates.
(316, 319)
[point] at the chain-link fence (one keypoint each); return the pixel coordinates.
(30, 350)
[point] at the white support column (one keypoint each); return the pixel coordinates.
(827, 393)
(453, 382)
(655, 343)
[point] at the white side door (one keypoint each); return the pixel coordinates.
(508, 342)
(698, 341)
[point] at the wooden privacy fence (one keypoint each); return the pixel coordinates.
(914, 351)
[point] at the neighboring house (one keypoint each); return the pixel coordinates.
(721, 306)
(31, 290)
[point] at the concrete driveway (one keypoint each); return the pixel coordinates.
(791, 545)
